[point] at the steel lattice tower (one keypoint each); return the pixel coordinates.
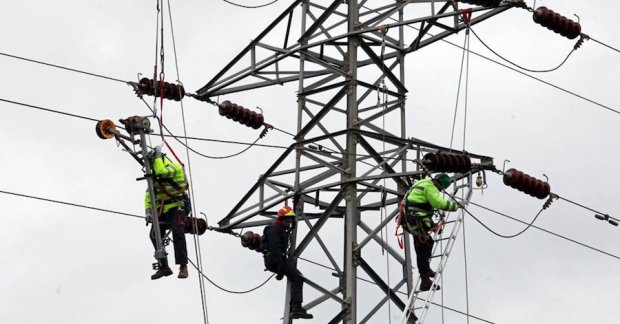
(345, 165)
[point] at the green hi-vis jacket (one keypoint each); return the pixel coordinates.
(170, 185)
(423, 197)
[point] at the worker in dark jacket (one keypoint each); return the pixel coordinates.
(275, 244)
(420, 203)
(171, 199)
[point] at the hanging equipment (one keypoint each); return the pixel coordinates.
(251, 241)
(442, 162)
(152, 87)
(483, 3)
(241, 115)
(556, 22)
(527, 184)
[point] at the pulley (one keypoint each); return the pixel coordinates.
(105, 129)
(241, 115)
(251, 241)
(442, 162)
(556, 22)
(527, 184)
(194, 225)
(483, 3)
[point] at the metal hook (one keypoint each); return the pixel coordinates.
(544, 175)
(578, 19)
(259, 108)
(139, 76)
(504, 167)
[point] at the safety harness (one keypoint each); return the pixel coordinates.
(412, 220)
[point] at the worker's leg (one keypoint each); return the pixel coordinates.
(423, 250)
(162, 231)
(176, 218)
(294, 276)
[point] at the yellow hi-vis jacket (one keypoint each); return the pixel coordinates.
(424, 196)
(170, 185)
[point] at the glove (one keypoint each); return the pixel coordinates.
(157, 151)
(279, 276)
(148, 216)
(453, 206)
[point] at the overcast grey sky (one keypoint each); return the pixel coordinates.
(69, 265)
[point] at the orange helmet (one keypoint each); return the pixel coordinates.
(286, 211)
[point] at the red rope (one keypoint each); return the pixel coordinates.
(399, 236)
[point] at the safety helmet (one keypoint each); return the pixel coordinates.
(443, 180)
(286, 211)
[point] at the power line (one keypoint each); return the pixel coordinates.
(521, 67)
(601, 43)
(400, 292)
(539, 80)
(70, 204)
(521, 72)
(250, 7)
(48, 110)
(228, 290)
(97, 120)
(62, 67)
(546, 231)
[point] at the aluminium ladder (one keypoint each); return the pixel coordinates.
(419, 301)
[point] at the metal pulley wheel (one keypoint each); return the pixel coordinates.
(105, 129)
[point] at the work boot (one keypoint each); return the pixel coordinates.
(299, 312)
(162, 272)
(412, 318)
(183, 271)
(426, 284)
(431, 274)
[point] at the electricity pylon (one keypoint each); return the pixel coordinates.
(341, 53)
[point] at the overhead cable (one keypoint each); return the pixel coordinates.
(97, 120)
(197, 248)
(70, 204)
(521, 72)
(199, 153)
(228, 290)
(401, 292)
(62, 67)
(546, 231)
(521, 67)
(601, 43)
(250, 7)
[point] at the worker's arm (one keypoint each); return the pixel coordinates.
(434, 198)
(162, 170)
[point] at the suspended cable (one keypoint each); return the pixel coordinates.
(48, 110)
(70, 204)
(546, 231)
(519, 66)
(228, 290)
(502, 235)
(588, 208)
(400, 292)
(516, 70)
(250, 7)
(466, 271)
(608, 46)
(458, 90)
(196, 238)
(62, 67)
(177, 138)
